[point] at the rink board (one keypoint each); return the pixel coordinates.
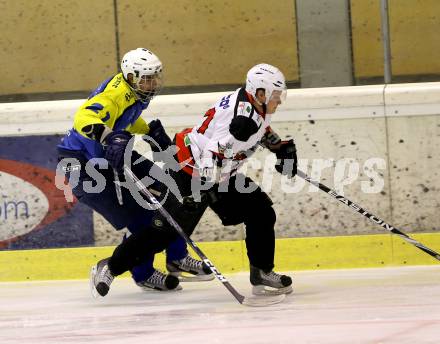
(230, 256)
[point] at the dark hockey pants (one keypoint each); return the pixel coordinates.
(243, 201)
(254, 209)
(132, 254)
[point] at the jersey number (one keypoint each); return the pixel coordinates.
(209, 116)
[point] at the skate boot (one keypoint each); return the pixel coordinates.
(190, 269)
(100, 278)
(160, 281)
(269, 283)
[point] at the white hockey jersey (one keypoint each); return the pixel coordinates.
(212, 139)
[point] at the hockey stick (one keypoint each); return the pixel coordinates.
(368, 215)
(248, 301)
(118, 187)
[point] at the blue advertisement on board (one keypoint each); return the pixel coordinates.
(33, 212)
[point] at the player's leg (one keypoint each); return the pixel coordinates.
(260, 244)
(140, 247)
(260, 221)
(254, 209)
(188, 214)
(105, 202)
(120, 216)
(178, 261)
(136, 250)
(146, 276)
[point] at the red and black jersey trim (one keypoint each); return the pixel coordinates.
(184, 155)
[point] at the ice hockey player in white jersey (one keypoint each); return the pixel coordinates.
(213, 151)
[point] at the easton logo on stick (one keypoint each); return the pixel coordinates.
(356, 207)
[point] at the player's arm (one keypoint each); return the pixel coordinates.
(95, 119)
(211, 158)
(139, 127)
(155, 135)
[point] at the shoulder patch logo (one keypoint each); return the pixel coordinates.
(244, 109)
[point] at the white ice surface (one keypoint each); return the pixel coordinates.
(388, 305)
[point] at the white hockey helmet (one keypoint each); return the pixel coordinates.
(268, 78)
(143, 64)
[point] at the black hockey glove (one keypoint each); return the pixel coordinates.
(286, 159)
(270, 139)
(157, 136)
(115, 144)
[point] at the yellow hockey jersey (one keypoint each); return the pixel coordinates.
(113, 104)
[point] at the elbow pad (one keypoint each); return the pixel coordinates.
(97, 132)
(242, 128)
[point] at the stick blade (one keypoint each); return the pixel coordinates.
(263, 301)
(93, 290)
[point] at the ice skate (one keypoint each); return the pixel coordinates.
(269, 283)
(190, 269)
(100, 278)
(160, 281)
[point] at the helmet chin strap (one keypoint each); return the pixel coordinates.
(254, 99)
(139, 95)
(142, 96)
(258, 102)
(145, 96)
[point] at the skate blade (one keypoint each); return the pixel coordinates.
(262, 290)
(157, 290)
(93, 290)
(184, 277)
(255, 301)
